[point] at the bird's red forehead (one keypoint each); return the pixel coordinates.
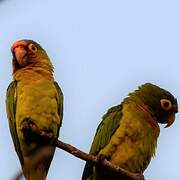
(19, 43)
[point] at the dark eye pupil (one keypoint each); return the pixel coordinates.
(33, 48)
(166, 104)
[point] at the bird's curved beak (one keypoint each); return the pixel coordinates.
(171, 118)
(19, 51)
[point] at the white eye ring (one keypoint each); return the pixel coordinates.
(166, 104)
(32, 47)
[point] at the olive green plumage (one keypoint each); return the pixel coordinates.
(33, 98)
(128, 133)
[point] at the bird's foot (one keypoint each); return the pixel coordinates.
(27, 128)
(100, 159)
(119, 173)
(33, 133)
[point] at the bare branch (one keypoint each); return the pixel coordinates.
(47, 137)
(105, 163)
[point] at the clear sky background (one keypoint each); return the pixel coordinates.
(101, 51)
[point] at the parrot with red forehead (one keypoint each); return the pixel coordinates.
(33, 99)
(127, 135)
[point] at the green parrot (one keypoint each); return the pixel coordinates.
(33, 99)
(127, 135)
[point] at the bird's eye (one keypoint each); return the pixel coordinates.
(32, 47)
(166, 104)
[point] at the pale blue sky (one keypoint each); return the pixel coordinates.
(101, 51)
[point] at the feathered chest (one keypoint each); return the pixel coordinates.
(134, 142)
(37, 100)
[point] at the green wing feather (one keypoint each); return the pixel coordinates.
(11, 114)
(60, 104)
(103, 135)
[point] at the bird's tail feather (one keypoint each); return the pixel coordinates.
(36, 166)
(36, 174)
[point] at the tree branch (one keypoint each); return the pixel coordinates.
(94, 159)
(47, 137)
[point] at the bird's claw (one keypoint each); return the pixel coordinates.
(101, 157)
(27, 128)
(33, 133)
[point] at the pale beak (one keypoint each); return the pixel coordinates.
(20, 55)
(19, 51)
(170, 120)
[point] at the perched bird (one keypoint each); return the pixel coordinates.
(33, 99)
(127, 135)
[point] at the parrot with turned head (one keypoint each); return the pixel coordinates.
(128, 133)
(33, 99)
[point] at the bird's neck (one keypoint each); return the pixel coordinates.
(152, 120)
(38, 70)
(32, 74)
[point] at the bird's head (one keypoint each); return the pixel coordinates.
(29, 52)
(160, 102)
